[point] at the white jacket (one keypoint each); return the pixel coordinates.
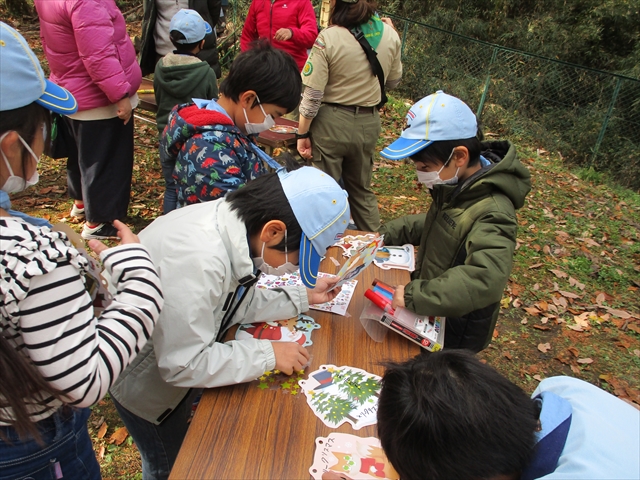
(202, 255)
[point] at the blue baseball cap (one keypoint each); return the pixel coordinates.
(436, 117)
(190, 24)
(321, 207)
(22, 80)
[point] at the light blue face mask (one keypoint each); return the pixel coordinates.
(14, 183)
(255, 128)
(286, 268)
(430, 179)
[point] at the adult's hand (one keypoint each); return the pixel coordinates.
(398, 297)
(123, 109)
(304, 148)
(124, 233)
(321, 294)
(290, 356)
(283, 34)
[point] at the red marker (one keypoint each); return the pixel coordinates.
(379, 301)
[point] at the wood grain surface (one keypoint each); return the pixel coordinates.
(243, 432)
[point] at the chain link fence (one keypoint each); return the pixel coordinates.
(591, 117)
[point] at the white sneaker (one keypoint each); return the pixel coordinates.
(102, 231)
(77, 212)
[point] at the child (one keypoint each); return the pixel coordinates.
(447, 415)
(209, 141)
(468, 236)
(179, 77)
(209, 256)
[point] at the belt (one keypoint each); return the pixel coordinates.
(353, 108)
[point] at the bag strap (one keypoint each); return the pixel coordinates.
(372, 56)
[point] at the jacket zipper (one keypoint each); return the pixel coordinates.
(271, 20)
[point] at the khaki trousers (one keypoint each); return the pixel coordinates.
(344, 144)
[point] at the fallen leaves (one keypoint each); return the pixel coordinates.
(119, 436)
(103, 430)
(585, 361)
(544, 347)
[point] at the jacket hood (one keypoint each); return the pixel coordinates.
(177, 74)
(187, 120)
(505, 174)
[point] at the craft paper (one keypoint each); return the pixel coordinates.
(357, 263)
(351, 244)
(338, 305)
(388, 257)
(343, 394)
(348, 456)
(297, 329)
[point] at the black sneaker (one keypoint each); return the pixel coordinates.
(102, 231)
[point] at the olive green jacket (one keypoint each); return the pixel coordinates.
(467, 240)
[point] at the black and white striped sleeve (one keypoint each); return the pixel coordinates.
(80, 354)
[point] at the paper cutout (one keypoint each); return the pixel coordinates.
(94, 282)
(343, 394)
(351, 244)
(297, 329)
(338, 305)
(345, 456)
(276, 380)
(388, 257)
(358, 262)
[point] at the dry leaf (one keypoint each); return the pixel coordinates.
(507, 355)
(535, 265)
(546, 249)
(101, 452)
(542, 305)
(619, 313)
(636, 352)
(119, 436)
(568, 294)
(524, 321)
(559, 273)
(575, 327)
(575, 283)
(575, 369)
(517, 303)
(495, 333)
(103, 430)
(585, 361)
(573, 350)
(544, 347)
(532, 310)
(544, 320)
(542, 327)
(538, 377)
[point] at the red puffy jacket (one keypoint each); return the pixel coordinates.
(266, 17)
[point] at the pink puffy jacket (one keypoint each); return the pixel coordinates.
(89, 50)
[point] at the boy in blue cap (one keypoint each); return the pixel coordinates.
(209, 257)
(179, 77)
(468, 236)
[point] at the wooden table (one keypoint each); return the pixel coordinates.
(243, 432)
(268, 140)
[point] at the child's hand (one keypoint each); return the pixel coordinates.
(398, 297)
(124, 233)
(123, 109)
(321, 293)
(290, 356)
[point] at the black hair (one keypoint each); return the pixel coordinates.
(350, 15)
(175, 36)
(446, 415)
(262, 200)
(271, 73)
(26, 121)
(438, 152)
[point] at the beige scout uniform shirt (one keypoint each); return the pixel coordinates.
(338, 66)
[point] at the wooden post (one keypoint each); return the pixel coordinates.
(324, 13)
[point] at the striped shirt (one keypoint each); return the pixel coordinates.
(47, 313)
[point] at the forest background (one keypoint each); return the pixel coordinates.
(572, 303)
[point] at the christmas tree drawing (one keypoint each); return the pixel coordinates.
(339, 394)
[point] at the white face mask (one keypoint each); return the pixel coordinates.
(429, 179)
(255, 128)
(283, 269)
(15, 183)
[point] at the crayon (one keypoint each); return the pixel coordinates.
(383, 285)
(381, 291)
(379, 301)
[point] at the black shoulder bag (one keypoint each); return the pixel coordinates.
(372, 56)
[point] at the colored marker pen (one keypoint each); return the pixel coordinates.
(384, 286)
(379, 301)
(383, 292)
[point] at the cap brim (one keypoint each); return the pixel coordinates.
(309, 263)
(57, 99)
(403, 148)
(207, 28)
